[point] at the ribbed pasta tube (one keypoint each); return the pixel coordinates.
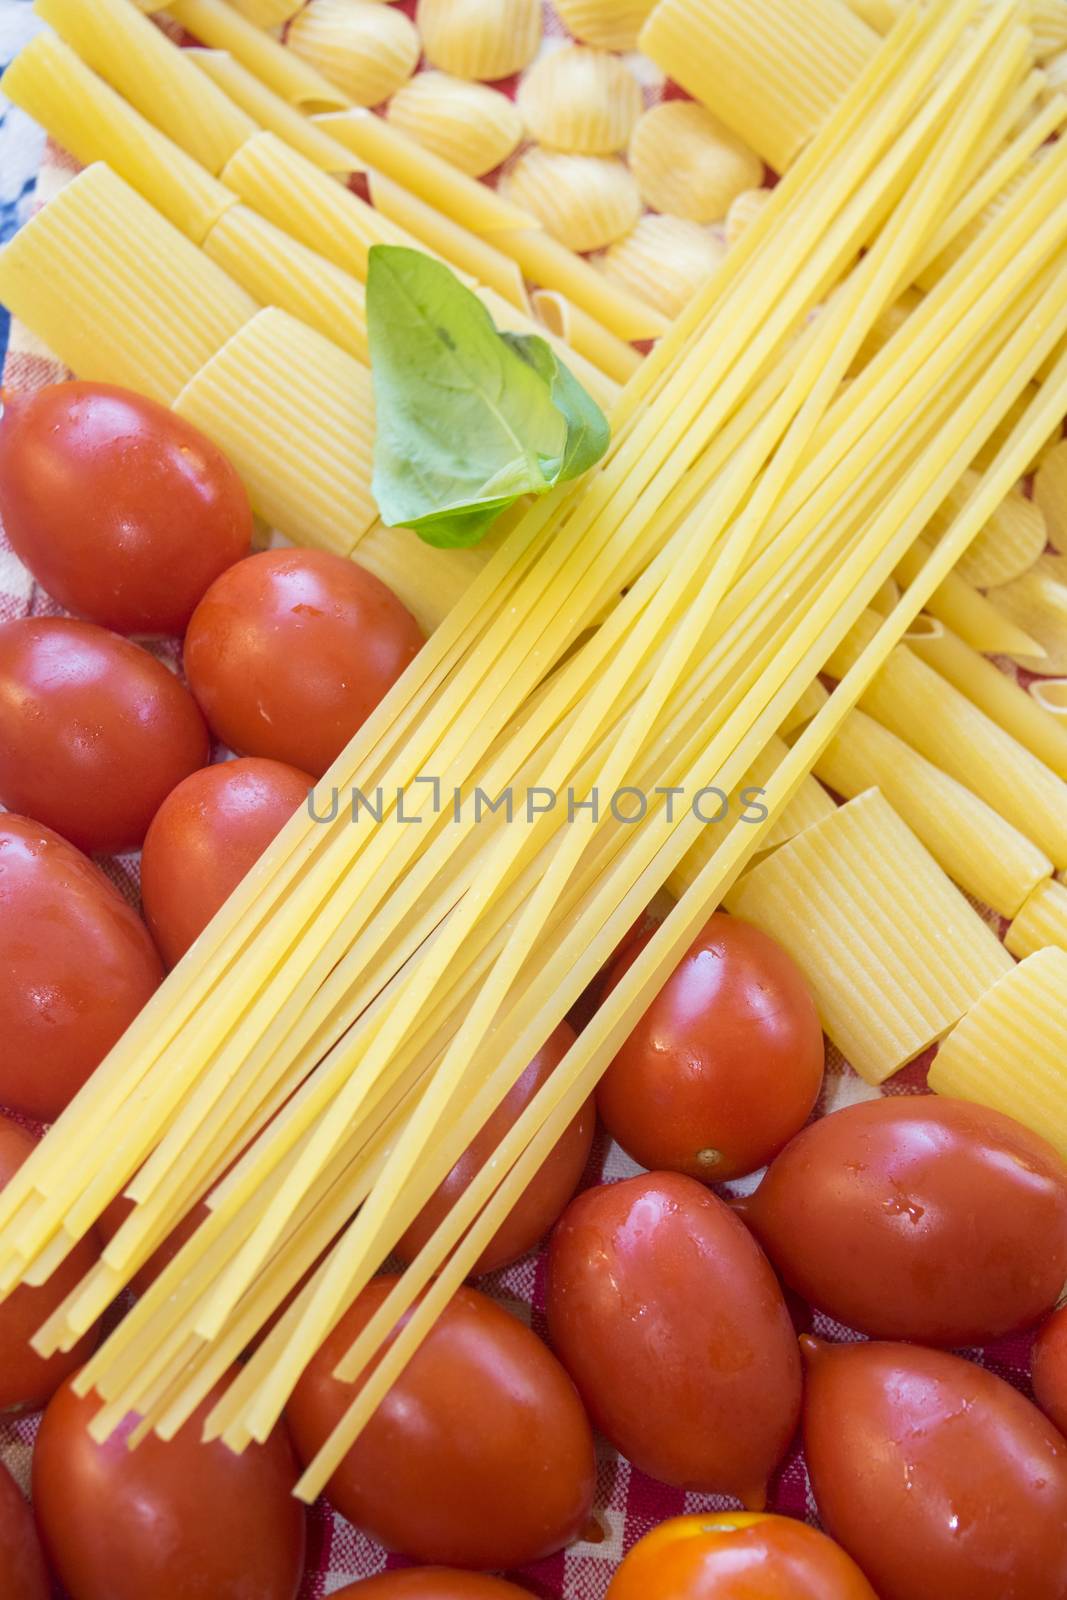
(295, 415)
(586, 202)
(367, 50)
(469, 124)
(480, 38)
(116, 292)
(809, 705)
(581, 100)
(1010, 1050)
(688, 163)
(1041, 921)
(894, 953)
(666, 260)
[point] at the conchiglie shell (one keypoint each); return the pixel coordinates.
(1050, 493)
(581, 100)
(468, 124)
(1037, 603)
(1055, 70)
(1007, 546)
(687, 162)
(1048, 23)
(611, 24)
(480, 38)
(665, 260)
(586, 202)
(744, 211)
(368, 50)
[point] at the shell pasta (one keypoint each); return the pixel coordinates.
(470, 125)
(581, 100)
(367, 50)
(479, 38)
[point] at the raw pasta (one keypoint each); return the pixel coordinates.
(1041, 921)
(267, 13)
(1050, 493)
(665, 260)
(367, 50)
(581, 100)
(744, 210)
(273, 114)
(611, 24)
(216, 23)
(1037, 602)
(480, 38)
(586, 202)
(1008, 545)
(687, 162)
(429, 581)
(470, 125)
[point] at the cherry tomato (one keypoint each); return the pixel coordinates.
(76, 966)
(289, 652)
(938, 1478)
(738, 1555)
(26, 1379)
(479, 1456)
(1049, 1369)
(670, 1321)
(918, 1218)
(203, 839)
(122, 511)
(94, 732)
(21, 1562)
(168, 1520)
(541, 1204)
(726, 1064)
(431, 1583)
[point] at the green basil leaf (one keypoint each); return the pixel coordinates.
(453, 530)
(588, 433)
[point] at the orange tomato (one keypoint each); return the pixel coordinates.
(738, 1555)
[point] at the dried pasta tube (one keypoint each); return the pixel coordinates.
(217, 23)
(270, 112)
(1010, 1051)
(429, 581)
(1041, 921)
(1037, 603)
(267, 13)
(584, 334)
(894, 953)
(960, 606)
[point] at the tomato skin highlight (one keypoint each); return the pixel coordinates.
(431, 1583)
(918, 1218)
(125, 513)
(480, 1455)
(21, 1562)
(94, 731)
(547, 1195)
(1048, 1369)
(176, 1520)
(204, 838)
(726, 1064)
(670, 1321)
(76, 966)
(738, 1556)
(290, 651)
(939, 1479)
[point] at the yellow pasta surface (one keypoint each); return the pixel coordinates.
(86, 116)
(277, 270)
(611, 24)
(116, 292)
(586, 202)
(1041, 921)
(429, 581)
(220, 25)
(772, 70)
(1010, 1050)
(893, 952)
(1048, 20)
(295, 415)
(809, 705)
(480, 38)
(469, 124)
(878, 14)
(582, 100)
(270, 112)
(743, 212)
(665, 260)
(982, 853)
(367, 50)
(1008, 545)
(1037, 603)
(267, 13)
(1050, 493)
(687, 162)
(136, 58)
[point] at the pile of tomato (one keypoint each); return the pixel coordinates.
(677, 1317)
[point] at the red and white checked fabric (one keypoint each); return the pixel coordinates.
(628, 1504)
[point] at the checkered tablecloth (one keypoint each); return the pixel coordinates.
(628, 1504)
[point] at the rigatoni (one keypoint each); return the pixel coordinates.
(665, 260)
(367, 50)
(1041, 921)
(586, 202)
(581, 100)
(469, 124)
(982, 853)
(687, 162)
(809, 705)
(295, 415)
(480, 38)
(116, 292)
(1010, 1051)
(893, 952)
(611, 24)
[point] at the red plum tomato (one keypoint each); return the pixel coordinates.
(171, 1520)
(76, 966)
(480, 1455)
(22, 1567)
(544, 1200)
(125, 513)
(669, 1319)
(290, 651)
(1049, 1369)
(918, 1218)
(939, 1479)
(94, 731)
(203, 839)
(726, 1064)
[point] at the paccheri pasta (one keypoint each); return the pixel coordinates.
(1040, 921)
